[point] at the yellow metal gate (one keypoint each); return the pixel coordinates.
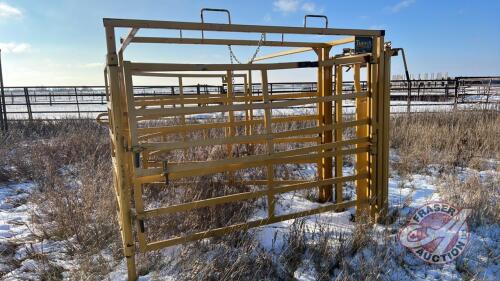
(140, 126)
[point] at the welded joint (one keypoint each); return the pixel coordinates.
(129, 250)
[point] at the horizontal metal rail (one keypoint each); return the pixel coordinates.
(210, 167)
(244, 196)
(152, 24)
(165, 112)
(245, 225)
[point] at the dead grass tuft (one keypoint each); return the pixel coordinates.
(452, 139)
(482, 196)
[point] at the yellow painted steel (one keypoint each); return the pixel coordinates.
(325, 90)
(362, 159)
(339, 132)
(146, 131)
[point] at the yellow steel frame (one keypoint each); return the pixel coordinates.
(133, 145)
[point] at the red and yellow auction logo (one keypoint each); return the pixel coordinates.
(437, 232)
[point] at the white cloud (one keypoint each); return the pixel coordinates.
(289, 6)
(401, 5)
(286, 6)
(7, 11)
(15, 48)
(309, 7)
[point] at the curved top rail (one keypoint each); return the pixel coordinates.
(316, 16)
(213, 10)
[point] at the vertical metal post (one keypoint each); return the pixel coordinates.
(386, 74)
(381, 114)
(339, 160)
(122, 184)
(28, 104)
(325, 192)
(183, 116)
(3, 108)
(250, 95)
(77, 103)
(362, 159)
(231, 130)
(269, 143)
(327, 119)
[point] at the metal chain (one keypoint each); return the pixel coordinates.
(232, 56)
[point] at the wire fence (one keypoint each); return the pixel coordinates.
(28, 103)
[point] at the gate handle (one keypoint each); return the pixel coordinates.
(213, 10)
(316, 16)
(99, 120)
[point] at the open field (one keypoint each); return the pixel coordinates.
(57, 210)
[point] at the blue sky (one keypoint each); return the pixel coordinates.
(61, 42)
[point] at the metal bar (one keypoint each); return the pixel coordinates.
(77, 104)
(151, 24)
(249, 139)
(141, 67)
(130, 37)
(3, 106)
(28, 104)
(269, 146)
(243, 226)
(243, 196)
(186, 75)
(156, 112)
(201, 169)
(198, 41)
(339, 161)
(305, 49)
(326, 120)
(362, 159)
(122, 187)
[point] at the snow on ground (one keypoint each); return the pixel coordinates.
(18, 242)
(20, 246)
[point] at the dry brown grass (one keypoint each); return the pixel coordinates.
(452, 139)
(481, 196)
(70, 163)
